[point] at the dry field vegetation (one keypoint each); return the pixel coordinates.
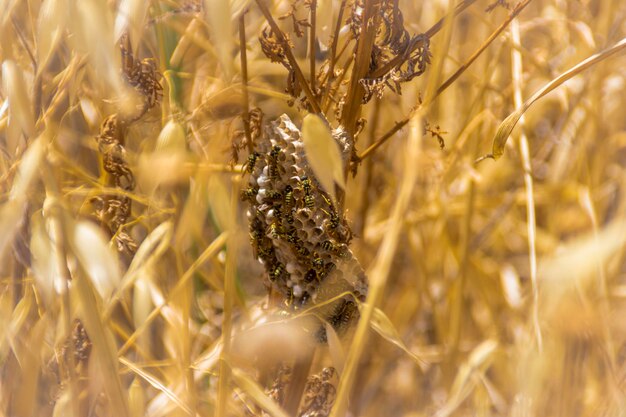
(437, 227)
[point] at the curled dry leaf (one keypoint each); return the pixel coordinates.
(506, 127)
(323, 153)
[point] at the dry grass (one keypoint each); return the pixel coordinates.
(129, 285)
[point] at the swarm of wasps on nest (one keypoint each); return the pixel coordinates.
(113, 210)
(297, 232)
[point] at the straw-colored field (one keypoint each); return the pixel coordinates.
(313, 208)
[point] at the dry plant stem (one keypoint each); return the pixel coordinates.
(365, 43)
(517, 10)
(52, 188)
(517, 70)
(605, 305)
(292, 60)
(312, 45)
(208, 253)
(381, 266)
(333, 54)
(244, 81)
(297, 383)
(456, 295)
(229, 301)
(399, 125)
(369, 172)
(339, 80)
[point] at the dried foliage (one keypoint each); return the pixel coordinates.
(113, 211)
(179, 237)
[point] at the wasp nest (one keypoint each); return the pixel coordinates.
(297, 233)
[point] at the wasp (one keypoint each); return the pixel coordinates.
(251, 162)
(334, 217)
(301, 250)
(309, 202)
(273, 195)
(289, 217)
(277, 272)
(289, 296)
(272, 166)
(276, 231)
(318, 263)
(327, 270)
(255, 236)
(265, 249)
(249, 194)
(310, 276)
(343, 314)
(292, 237)
(306, 184)
(288, 196)
(339, 228)
(329, 246)
(332, 247)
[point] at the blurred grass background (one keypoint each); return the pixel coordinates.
(513, 317)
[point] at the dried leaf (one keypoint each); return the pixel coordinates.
(464, 382)
(10, 215)
(15, 88)
(172, 138)
(92, 24)
(11, 211)
(384, 327)
(154, 381)
(63, 406)
(322, 153)
(506, 127)
(136, 399)
(150, 250)
(334, 346)
(51, 24)
(220, 24)
(163, 169)
(29, 167)
(131, 16)
(45, 260)
(577, 262)
(97, 257)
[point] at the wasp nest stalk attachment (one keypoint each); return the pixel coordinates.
(296, 231)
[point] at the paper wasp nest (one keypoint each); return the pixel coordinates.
(296, 231)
